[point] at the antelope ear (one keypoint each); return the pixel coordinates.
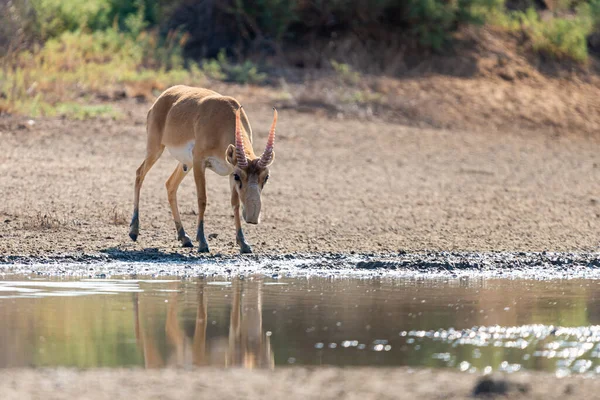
(230, 155)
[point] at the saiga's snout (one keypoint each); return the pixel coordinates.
(251, 214)
(251, 207)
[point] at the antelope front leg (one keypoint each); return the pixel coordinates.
(240, 240)
(199, 170)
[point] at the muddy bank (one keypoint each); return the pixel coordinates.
(290, 383)
(152, 262)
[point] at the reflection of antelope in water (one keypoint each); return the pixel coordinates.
(246, 346)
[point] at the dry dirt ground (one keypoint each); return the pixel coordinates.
(338, 184)
(288, 383)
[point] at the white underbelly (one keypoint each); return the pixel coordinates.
(219, 166)
(184, 154)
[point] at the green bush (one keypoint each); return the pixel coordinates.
(264, 18)
(559, 38)
(84, 111)
(268, 25)
(212, 69)
(434, 21)
(346, 74)
(243, 73)
(53, 17)
(562, 38)
(47, 80)
(88, 45)
(591, 10)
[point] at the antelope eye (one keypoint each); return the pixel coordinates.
(236, 177)
(266, 178)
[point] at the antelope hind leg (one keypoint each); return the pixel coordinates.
(151, 158)
(172, 185)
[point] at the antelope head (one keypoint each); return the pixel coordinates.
(250, 175)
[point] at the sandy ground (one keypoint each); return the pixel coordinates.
(338, 184)
(289, 383)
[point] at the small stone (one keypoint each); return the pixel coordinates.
(507, 74)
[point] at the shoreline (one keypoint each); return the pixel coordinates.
(152, 262)
(288, 382)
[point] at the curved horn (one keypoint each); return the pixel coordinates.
(240, 153)
(267, 155)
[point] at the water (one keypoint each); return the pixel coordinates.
(469, 324)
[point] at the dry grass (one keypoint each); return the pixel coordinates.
(118, 217)
(44, 221)
(57, 78)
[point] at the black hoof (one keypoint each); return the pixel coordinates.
(203, 249)
(245, 249)
(184, 239)
(133, 236)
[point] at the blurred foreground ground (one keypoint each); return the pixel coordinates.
(341, 182)
(290, 383)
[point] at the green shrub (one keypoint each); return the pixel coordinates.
(590, 10)
(434, 21)
(264, 18)
(212, 69)
(346, 74)
(88, 45)
(223, 69)
(53, 17)
(84, 111)
(430, 21)
(135, 23)
(562, 38)
(559, 38)
(36, 82)
(245, 72)
(270, 24)
(364, 97)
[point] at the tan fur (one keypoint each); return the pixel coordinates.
(183, 114)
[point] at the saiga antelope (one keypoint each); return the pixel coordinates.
(203, 129)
